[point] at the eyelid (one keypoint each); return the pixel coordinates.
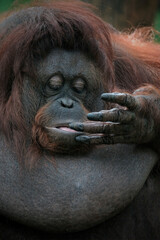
(56, 76)
(55, 82)
(82, 87)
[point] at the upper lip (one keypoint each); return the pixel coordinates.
(62, 125)
(58, 125)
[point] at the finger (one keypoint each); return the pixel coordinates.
(101, 127)
(113, 115)
(123, 99)
(99, 139)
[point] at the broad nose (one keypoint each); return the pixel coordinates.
(66, 102)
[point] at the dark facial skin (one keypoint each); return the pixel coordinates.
(69, 90)
(75, 191)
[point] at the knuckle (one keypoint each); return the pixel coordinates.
(114, 109)
(100, 116)
(104, 128)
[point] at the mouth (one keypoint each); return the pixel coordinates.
(66, 128)
(63, 128)
(63, 137)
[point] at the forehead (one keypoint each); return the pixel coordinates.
(69, 63)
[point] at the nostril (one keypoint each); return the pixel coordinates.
(67, 103)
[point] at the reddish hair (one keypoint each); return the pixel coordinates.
(128, 61)
(30, 34)
(136, 59)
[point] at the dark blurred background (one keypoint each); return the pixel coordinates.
(121, 14)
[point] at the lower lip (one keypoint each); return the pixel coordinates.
(67, 129)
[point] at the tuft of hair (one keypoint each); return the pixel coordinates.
(136, 59)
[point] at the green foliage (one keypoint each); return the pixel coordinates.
(7, 4)
(157, 26)
(157, 21)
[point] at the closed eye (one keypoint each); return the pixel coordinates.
(78, 85)
(55, 82)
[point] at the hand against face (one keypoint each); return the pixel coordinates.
(131, 124)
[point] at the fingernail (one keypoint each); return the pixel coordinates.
(84, 139)
(105, 95)
(76, 126)
(90, 115)
(95, 116)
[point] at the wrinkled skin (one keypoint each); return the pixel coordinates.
(73, 192)
(128, 125)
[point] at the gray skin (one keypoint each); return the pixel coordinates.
(77, 190)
